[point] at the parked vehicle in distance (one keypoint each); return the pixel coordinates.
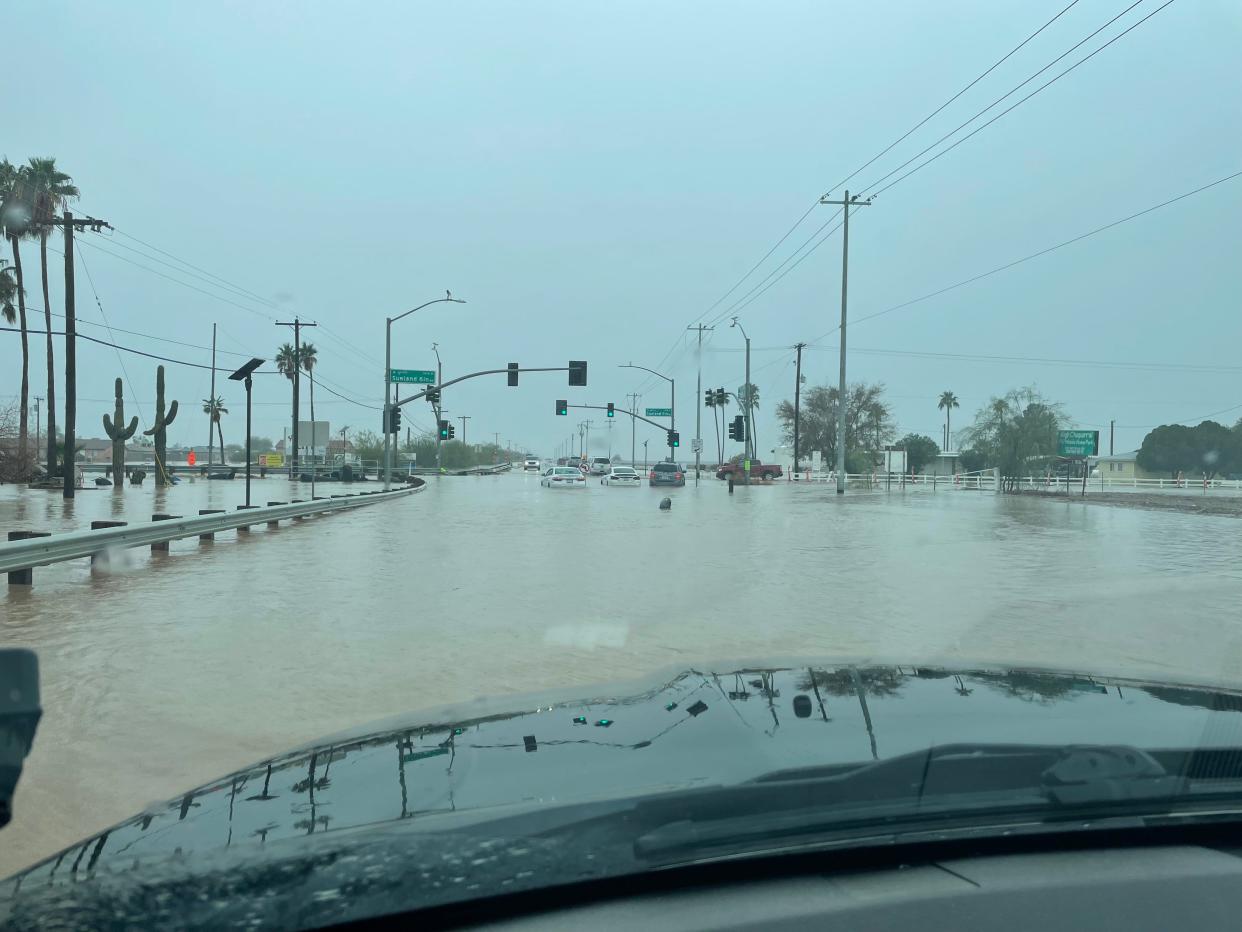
(531, 465)
(666, 474)
(758, 470)
(562, 477)
(622, 475)
(600, 466)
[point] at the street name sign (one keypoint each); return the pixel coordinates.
(412, 376)
(1078, 442)
(659, 412)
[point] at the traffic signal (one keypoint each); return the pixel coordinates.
(513, 374)
(722, 397)
(674, 439)
(444, 430)
(737, 429)
(611, 410)
(709, 397)
(394, 420)
(577, 372)
(452, 432)
(433, 396)
(562, 406)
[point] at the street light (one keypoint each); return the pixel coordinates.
(388, 405)
(747, 403)
(672, 396)
(244, 373)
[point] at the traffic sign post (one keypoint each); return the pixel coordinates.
(412, 376)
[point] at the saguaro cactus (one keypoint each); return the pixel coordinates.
(119, 434)
(158, 429)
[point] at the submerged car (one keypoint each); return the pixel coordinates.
(560, 477)
(955, 798)
(666, 474)
(622, 475)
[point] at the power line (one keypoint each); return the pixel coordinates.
(923, 121)
(178, 281)
(1013, 107)
(128, 349)
(1042, 360)
(1042, 252)
(190, 265)
(139, 333)
(212, 280)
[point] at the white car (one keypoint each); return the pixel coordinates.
(563, 477)
(531, 465)
(622, 475)
(600, 466)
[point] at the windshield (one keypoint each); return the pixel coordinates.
(757, 343)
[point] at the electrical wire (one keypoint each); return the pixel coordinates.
(925, 119)
(128, 349)
(1034, 255)
(1041, 360)
(1013, 107)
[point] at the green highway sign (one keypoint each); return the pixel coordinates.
(423, 755)
(1078, 442)
(659, 412)
(415, 376)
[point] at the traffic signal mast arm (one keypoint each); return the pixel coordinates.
(622, 411)
(475, 375)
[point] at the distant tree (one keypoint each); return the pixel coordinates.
(214, 408)
(1016, 432)
(368, 445)
(971, 460)
(261, 444)
(948, 401)
(1204, 450)
(868, 422)
(920, 451)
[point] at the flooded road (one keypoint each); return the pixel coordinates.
(160, 675)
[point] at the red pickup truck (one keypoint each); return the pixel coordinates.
(758, 470)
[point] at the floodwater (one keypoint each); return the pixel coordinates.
(162, 674)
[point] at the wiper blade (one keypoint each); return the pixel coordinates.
(951, 782)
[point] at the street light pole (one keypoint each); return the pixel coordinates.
(747, 448)
(388, 403)
(435, 348)
(698, 409)
(845, 205)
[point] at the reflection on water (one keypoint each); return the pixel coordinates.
(208, 658)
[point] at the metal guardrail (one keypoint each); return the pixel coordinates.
(19, 556)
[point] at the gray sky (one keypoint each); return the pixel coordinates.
(592, 177)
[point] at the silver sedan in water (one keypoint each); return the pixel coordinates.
(563, 477)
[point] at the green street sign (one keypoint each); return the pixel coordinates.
(423, 755)
(415, 376)
(659, 412)
(1078, 442)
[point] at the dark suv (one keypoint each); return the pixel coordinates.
(666, 474)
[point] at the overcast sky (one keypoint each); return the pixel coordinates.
(593, 177)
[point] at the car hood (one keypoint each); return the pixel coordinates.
(459, 765)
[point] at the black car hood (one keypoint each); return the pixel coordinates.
(448, 770)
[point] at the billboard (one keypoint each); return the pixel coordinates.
(313, 435)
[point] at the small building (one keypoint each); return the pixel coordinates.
(942, 464)
(94, 450)
(1122, 466)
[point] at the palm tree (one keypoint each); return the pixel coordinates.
(49, 189)
(748, 397)
(8, 288)
(15, 214)
(948, 401)
(214, 407)
(310, 356)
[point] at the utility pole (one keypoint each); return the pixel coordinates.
(435, 348)
(633, 397)
(1111, 429)
(297, 326)
(211, 441)
(463, 418)
(845, 203)
(797, 402)
(698, 408)
(644, 456)
(69, 224)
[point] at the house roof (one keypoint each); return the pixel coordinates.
(1117, 457)
(94, 443)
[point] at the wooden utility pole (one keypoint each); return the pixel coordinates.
(797, 402)
(297, 326)
(68, 223)
(463, 418)
(846, 203)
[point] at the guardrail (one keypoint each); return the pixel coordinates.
(28, 549)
